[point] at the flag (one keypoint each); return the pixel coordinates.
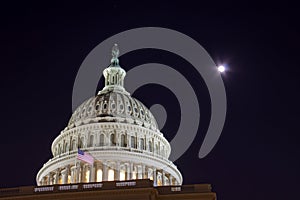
(85, 157)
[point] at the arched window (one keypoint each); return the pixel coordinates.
(101, 142)
(123, 140)
(59, 149)
(150, 146)
(133, 142)
(73, 145)
(91, 141)
(142, 145)
(64, 147)
(112, 140)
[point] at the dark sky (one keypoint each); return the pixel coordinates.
(257, 156)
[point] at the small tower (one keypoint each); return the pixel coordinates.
(114, 75)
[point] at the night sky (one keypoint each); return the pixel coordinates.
(257, 155)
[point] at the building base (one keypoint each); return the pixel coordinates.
(110, 190)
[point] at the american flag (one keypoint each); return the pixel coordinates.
(85, 157)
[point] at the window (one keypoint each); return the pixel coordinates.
(73, 144)
(104, 106)
(150, 146)
(133, 142)
(101, 143)
(91, 141)
(64, 147)
(123, 140)
(142, 145)
(59, 149)
(112, 140)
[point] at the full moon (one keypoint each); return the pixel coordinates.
(221, 68)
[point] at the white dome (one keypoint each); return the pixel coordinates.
(113, 106)
(121, 135)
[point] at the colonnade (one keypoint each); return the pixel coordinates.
(81, 172)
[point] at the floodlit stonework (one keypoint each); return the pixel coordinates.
(119, 132)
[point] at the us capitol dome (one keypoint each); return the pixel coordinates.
(121, 135)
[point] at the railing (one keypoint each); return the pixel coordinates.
(106, 185)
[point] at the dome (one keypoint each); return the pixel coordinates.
(113, 106)
(118, 134)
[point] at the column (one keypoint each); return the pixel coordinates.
(51, 179)
(140, 172)
(82, 173)
(117, 172)
(78, 171)
(154, 177)
(92, 173)
(56, 176)
(163, 177)
(43, 181)
(48, 179)
(73, 174)
(131, 171)
(171, 179)
(68, 173)
(105, 171)
(64, 176)
(85, 169)
(144, 176)
(128, 172)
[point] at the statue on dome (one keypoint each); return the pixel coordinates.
(115, 51)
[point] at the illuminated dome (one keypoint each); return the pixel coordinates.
(121, 135)
(113, 106)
